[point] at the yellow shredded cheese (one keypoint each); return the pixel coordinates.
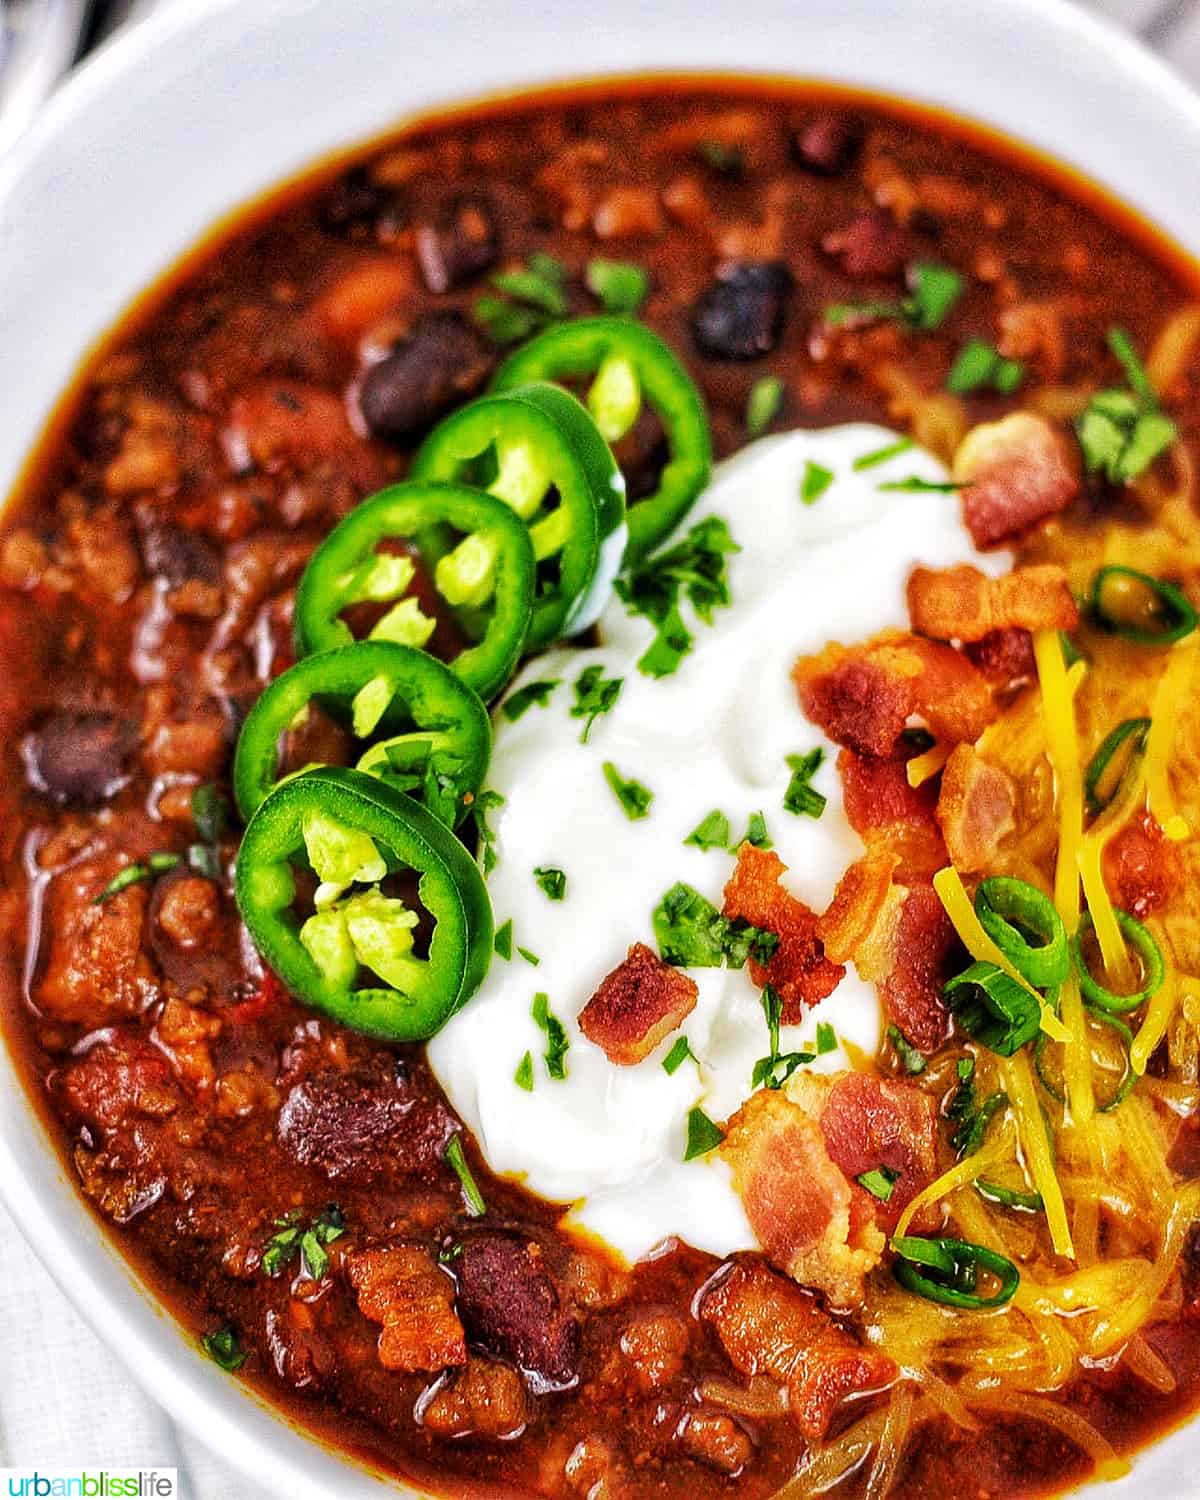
(959, 1175)
(953, 896)
(1035, 1139)
(928, 764)
(1171, 692)
(1159, 1014)
(1062, 741)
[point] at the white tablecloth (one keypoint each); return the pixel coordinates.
(75, 1404)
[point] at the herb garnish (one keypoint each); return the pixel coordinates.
(595, 694)
(678, 1055)
(632, 795)
(524, 698)
(826, 1038)
(291, 1238)
(880, 1182)
(763, 404)
(801, 797)
(933, 291)
(756, 833)
(879, 456)
(135, 874)
(523, 1077)
(692, 933)
(910, 1059)
(712, 832)
(972, 1120)
(416, 766)
(979, 364)
(210, 813)
(1120, 431)
(729, 161)
(620, 285)
(552, 881)
(503, 941)
(224, 1348)
(483, 804)
(816, 481)
(703, 1135)
(557, 1043)
(538, 293)
(529, 956)
(914, 484)
(774, 1070)
(695, 567)
(456, 1159)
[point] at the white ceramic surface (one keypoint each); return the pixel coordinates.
(177, 122)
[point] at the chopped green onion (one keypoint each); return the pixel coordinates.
(801, 797)
(1139, 381)
(1145, 610)
(524, 698)
(940, 1269)
(911, 1060)
(632, 795)
(135, 874)
(763, 404)
(712, 832)
(1006, 1197)
(1149, 957)
(557, 1042)
(934, 290)
(595, 694)
(224, 1348)
(483, 804)
(529, 956)
(972, 1122)
(816, 481)
(678, 1055)
(456, 1160)
(1100, 784)
(552, 881)
(505, 322)
(979, 364)
(914, 484)
(703, 1135)
(756, 833)
(539, 284)
(523, 1077)
(826, 1038)
(879, 456)
(620, 285)
(1008, 909)
(880, 1182)
(993, 1009)
(503, 942)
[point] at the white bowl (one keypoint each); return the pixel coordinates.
(201, 108)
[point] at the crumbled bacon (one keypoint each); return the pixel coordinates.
(1005, 657)
(799, 969)
(976, 808)
(926, 954)
(963, 604)
(863, 696)
(858, 913)
(888, 813)
(799, 1203)
(402, 1288)
(768, 1327)
(1016, 472)
(1142, 868)
(639, 1003)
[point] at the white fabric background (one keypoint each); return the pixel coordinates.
(75, 1403)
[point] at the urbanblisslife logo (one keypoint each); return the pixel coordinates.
(91, 1484)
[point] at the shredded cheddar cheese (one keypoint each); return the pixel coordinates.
(928, 764)
(1171, 691)
(1039, 1154)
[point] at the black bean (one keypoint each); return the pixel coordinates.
(462, 243)
(442, 362)
(741, 315)
(351, 206)
(510, 1306)
(78, 758)
(827, 144)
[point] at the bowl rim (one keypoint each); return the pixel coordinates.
(230, 1417)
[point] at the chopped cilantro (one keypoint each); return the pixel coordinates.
(224, 1348)
(694, 568)
(933, 292)
(483, 804)
(910, 1059)
(632, 795)
(801, 797)
(763, 404)
(703, 1135)
(539, 284)
(595, 694)
(504, 322)
(523, 1077)
(135, 874)
(816, 481)
(620, 285)
(524, 698)
(971, 1118)
(557, 1043)
(914, 484)
(678, 1055)
(1120, 431)
(711, 832)
(553, 882)
(291, 1238)
(529, 956)
(879, 456)
(503, 942)
(879, 1182)
(774, 1070)
(826, 1038)
(756, 833)
(456, 1160)
(689, 929)
(979, 364)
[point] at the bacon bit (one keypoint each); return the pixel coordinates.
(872, 246)
(859, 912)
(1142, 868)
(886, 811)
(1005, 657)
(926, 954)
(871, 1122)
(963, 604)
(863, 696)
(976, 809)
(798, 969)
(639, 1003)
(770, 1328)
(1016, 472)
(799, 1203)
(403, 1288)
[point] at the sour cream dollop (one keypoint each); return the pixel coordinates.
(610, 1140)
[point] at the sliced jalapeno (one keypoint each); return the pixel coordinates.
(1142, 609)
(1012, 912)
(536, 449)
(353, 956)
(419, 726)
(1148, 955)
(348, 568)
(627, 364)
